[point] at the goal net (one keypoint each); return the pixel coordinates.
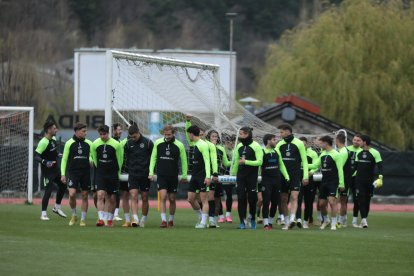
(152, 92)
(16, 152)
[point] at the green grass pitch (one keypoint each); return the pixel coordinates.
(29, 246)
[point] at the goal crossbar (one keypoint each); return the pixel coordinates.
(111, 54)
(164, 61)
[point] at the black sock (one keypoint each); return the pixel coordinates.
(252, 198)
(46, 196)
(220, 209)
(258, 209)
(211, 208)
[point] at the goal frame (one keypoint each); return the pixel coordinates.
(30, 146)
(111, 54)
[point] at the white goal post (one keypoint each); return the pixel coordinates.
(16, 151)
(160, 104)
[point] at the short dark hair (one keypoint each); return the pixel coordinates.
(225, 137)
(169, 128)
(116, 125)
(366, 139)
(48, 124)
(285, 127)
(341, 138)
(228, 137)
(248, 130)
(326, 139)
(79, 126)
(268, 137)
(303, 138)
(103, 129)
(133, 129)
(358, 135)
(195, 130)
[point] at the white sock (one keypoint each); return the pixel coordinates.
(135, 216)
(228, 214)
(271, 220)
(143, 219)
(266, 221)
(319, 215)
(325, 218)
(212, 219)
(354, 220)
(286, 220)
(364, 220)
(199, 213)
(333, 221)
(57, 206)
(282, 217)
(74, 211)
(127, 217)
(44, 214)
(163, 216)
(249, 217)
(101, 215)
(83, 215)
(116, 213)
(204, 218)
(171, 218)
(105, 215)
(342, 219)
(221, 216)
(292, 217)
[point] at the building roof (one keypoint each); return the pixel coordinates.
(299, 102)
(275, 112)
